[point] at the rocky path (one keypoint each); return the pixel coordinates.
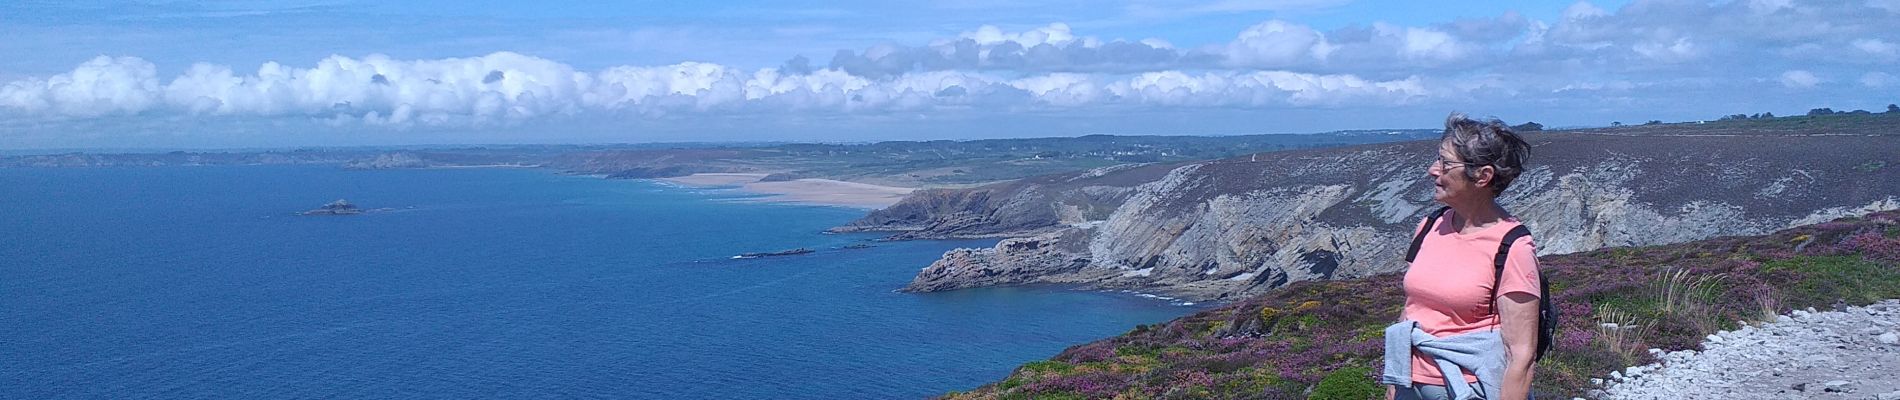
(1848, 354)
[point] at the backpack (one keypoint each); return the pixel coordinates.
(1546, 315)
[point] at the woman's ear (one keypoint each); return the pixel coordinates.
(1485, 173)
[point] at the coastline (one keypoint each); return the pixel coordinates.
(821, 192)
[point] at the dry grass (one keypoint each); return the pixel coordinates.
(1686, 295)
(1621, 332)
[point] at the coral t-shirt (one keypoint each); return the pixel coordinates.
(1448, 285)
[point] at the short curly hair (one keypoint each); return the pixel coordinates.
(1487, 142)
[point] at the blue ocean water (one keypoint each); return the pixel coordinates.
(197, 282)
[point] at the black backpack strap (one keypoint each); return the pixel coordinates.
(1419, 239)
(1504, 247)
(1504, 252)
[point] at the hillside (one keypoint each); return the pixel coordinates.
(1322, 338)
(1232, 228)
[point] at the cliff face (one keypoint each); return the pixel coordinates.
(1237, 227)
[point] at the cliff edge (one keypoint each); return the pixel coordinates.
(1232, 228)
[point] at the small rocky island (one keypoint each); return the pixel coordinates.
(796, 251)
(338, 207)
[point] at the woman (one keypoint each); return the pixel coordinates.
(1462, 315)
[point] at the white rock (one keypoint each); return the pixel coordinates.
(1715, 338)
(1889, 338)
(1838, 386)
(1784, 318)
(1893, 395)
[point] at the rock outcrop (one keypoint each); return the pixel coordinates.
(1225, 229)
(338, 207)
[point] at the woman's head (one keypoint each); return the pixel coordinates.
(1476, 159)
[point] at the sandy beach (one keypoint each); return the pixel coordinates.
(802, 191)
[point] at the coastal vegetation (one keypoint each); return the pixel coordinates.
(1321, 339)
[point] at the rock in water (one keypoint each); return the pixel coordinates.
(338, 207)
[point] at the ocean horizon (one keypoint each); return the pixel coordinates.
(199, 282)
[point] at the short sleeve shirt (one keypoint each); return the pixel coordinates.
(1448, 285)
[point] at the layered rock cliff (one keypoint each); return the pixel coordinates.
(1225, 229)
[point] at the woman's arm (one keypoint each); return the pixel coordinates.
(1519, 313)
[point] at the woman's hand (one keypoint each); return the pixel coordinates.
(1518, 312)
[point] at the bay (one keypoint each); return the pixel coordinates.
(198, 282)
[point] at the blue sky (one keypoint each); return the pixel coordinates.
(292, 73)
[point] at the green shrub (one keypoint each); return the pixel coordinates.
(1350, 383)
(1048, 366)
(1829, 278)
(1010, 383)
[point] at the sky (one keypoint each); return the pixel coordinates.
(220, 74)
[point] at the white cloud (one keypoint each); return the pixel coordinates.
(1056, 34)
(1050, 48)
(508, 87)
(1423, 44)
(102, 86)
(1278, 43)
(1799, 79)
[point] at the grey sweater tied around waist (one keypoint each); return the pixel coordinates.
(1480, 352)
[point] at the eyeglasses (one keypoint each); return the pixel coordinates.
(1445, 165)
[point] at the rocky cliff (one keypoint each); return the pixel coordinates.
(1321, 339)
(1225, 229)
(1023, 207)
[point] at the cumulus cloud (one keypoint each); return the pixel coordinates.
(508, 87)
(1278, 44)
(102, 86)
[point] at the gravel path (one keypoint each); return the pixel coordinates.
(1848, 354)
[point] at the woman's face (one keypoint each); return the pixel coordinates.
(1448, 178)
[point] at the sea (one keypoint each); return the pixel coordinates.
(200, 283)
